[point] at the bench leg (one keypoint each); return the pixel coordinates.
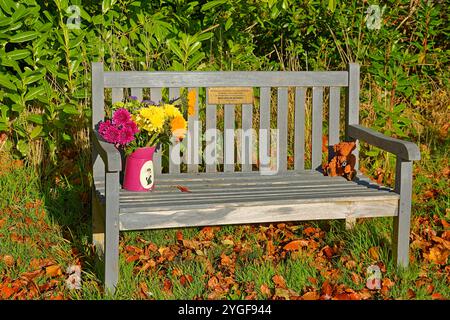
(350, 223)
(402, 222)
(98, 225)
(111, 255)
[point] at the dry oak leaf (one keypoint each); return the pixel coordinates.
(225, 260)
(167, 286)
(6, 292)
(373, 253)
(183, 188)
(265, 290)
(437, 255)
(328, 252)
(53, 271)
(8, 260)
(296, 245)
(444, 242)
(310, 295)
(279, 281)
(327, 290)
(437, 296)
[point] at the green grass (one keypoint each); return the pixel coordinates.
(53, 221)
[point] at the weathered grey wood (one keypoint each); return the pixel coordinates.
(137, 92)
(403, 149)
(402, 222)
(317, 118)
(117, 95)
(240, 189)
(98, 94)
(211, 139)
(111, 254)
(98, 114)
(264, 125)
(245, 197)
(262, 212)
(299, 129)
(156, 96)
(174, 149)
(247, 137)
(333, 120)
(352, 105)
(108, 153)
(225, 79)
(193, 138)
(228, 141)
(98, 224)
(282, 117)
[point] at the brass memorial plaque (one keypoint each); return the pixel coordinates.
(230, 95)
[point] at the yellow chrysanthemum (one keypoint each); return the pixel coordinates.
(151, 119)
(178, 126)
(171, 111)
(192, 96)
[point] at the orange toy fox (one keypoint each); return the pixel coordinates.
(343, 162)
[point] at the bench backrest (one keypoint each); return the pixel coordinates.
(276, 91)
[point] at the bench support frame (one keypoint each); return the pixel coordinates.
(107, 166)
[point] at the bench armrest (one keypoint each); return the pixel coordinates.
(403, 149)
(108, 152)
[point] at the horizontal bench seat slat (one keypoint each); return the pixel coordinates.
(173, 199)
(130, 79)
(263, 211)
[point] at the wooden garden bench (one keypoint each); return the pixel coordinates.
(228, 194)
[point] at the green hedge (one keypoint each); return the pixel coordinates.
(45, 61)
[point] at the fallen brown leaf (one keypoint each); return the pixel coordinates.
(310, 295)
(328, 252)
(437, 296)
(374, 253)
(279, 281)
(437, 255)
(6, 292)
(8, 260)
(265, 290)
(167, 286)
(327, 290)
(53, 271)
(296, 245)
(183, 188)
(411, 294)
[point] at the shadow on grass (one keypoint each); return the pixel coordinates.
(69, 206)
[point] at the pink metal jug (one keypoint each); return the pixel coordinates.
(139, 175)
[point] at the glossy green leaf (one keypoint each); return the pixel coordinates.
(36, 132)
(24, 36)
(18, 54)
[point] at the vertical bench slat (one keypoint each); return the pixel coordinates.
(352, 105)
(155, 95)
(317, 117)
(117, 95)
(282, 125)
(247, 138)
(193, 137)
(264, 125)
(299, 131)
(211, 138)
(333, 120)
(174, 149)
(137, 92)
(228, 141)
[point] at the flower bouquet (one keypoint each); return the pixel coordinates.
(138, 129)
